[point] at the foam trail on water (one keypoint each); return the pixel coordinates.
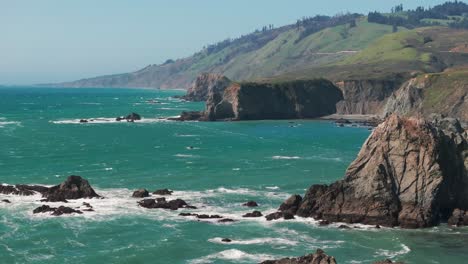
(233, 255)
(286, 157)
(256, 241)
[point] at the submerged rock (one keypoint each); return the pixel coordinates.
(163, 192)
(410, 173)
(56, 211)
(140, 193)
(129, 118)
(250, 204)
(6, 201)
(253, 214)
(319, 257)
(227, 240)
(161, 203)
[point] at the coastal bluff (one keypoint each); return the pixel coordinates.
(257, 101)
(410, 172)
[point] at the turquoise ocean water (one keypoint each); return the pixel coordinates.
(229, 164)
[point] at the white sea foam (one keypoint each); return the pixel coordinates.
(234, 255)
(286, 157)
(108, 120)
(185, 155)
(255, 241)
(5, 123)
(188, 135)
(272, 187)
(392, 254)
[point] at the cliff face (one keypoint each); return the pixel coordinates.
(409, 173)
(254, 101)
(365, 96)
(443, 93)
(205, 84)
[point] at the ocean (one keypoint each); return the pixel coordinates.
(215, 166)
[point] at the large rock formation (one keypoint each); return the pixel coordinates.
(409, 173)
(318, 257)
(444, 93)
(365, 96)
(287, 100)
(205, 84)
(74, 187)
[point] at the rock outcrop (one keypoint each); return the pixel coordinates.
(410, 173)
(162, 203)
(205, 84)
(443, 93)
(61, 210)
(319, 257)
(365, 96)
(140, 193)
(287, 100)
(74, 187)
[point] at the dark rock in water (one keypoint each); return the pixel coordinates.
(189, 116)
(291, 204)
(458, 218)
(378, 226)
(409, 173)
(161, 203)
(120, 118)
(163, 192)
(83, 121)
(87, 205)
(23, 190)
(74, 187)
(279, 215)
(226, 220)
(187, 214)
(324, 223)
(65, 210)
(227, 240)
(56, 211)
(344, 227)
(253, 214)
(250, 204)
(133, 117)
(6, 201)
(140, 193)
(342, 121)
(204, 216)
(318, 258)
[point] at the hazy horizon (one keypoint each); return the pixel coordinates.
(55, 41)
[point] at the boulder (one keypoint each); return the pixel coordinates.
(458, 218)
(6, 201)
(163, 192)
(253, 214)
(226, 220)
(56, 211)
(279, 215)
(291, 204)
(319, 257)
(250, 204)
(190, 116)
(161, 203)
(140, 193)
(227, 240)
(83, 121)
(410, 172)
(132, 117)
(74, 187)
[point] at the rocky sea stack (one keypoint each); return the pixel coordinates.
(410, 173)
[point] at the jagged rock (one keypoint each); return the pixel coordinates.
(250, 204)
(83, 121)
(344, 227)
(409, 173)
(6, 201)
(190, 116)
(56, 211)
(279, 215)
(140, 193)
(205, 84)
(133, 117)
(187, 214)
(204, 216)
(47, 200)
(458, 218)
(74, 187)
(291, 204)
(227, 240)
(318, 258)
(163, 192)
(253, 214)
(163, 204)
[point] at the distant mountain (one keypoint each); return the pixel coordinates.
(319, 46)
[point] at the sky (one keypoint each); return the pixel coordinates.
(50, 41)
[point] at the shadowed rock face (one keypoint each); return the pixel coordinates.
(74, 187)
(205, 84)
(409, 173)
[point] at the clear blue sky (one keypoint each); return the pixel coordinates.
(59, 40)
